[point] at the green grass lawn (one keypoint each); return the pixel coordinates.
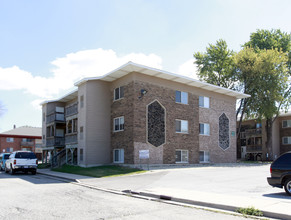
(100, 171)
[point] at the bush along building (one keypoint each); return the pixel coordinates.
(251, 144)
(137, 114)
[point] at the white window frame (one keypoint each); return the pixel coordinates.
(9, 140)
(183, 97)
(204, 102)
(288, 122)
(120, 124)
(120, 158)
(183, 124)
(207, 126)
(119, 92)
(205, 156)
(288, 140)
(182, 151)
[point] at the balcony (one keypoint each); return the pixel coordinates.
(27, 144)
(72, 110)
(71, 139)
(254, 148)
(60, 117)
(55, 142)
(253, 132)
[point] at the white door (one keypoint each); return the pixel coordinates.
(243, 152)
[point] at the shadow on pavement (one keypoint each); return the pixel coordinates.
(35, 179)
(281, 195)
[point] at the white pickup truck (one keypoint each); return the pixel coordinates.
(24, 161)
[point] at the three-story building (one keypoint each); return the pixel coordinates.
(137, 114)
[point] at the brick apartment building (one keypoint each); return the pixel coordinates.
(251, 143)
(22, 138)
(136, 114)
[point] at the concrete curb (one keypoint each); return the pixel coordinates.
(207, 204)
(170, 198)
(60, 177)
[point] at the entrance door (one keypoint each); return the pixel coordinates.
(243, 152)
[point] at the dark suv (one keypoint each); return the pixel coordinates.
(281, 172)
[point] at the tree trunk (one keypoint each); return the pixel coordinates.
(269, 147)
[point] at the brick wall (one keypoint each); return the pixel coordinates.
(284, 132)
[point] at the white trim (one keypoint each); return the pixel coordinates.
(119, 124)
(131, 67)
(203, 130)
(181, 132)
(121, 155)
(181, 156)
(114, 98)
(181, 92)
(287, 124)
(288, 139)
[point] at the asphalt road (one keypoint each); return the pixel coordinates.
(238, 180)
(41, 197)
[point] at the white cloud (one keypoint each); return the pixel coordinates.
(188, 69)
(69, 69)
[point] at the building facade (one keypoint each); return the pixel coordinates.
(137, 114)
(252, 140)
(23, 138)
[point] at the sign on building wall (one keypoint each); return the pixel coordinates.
(144, 154)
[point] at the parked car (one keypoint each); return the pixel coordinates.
(3, 158)
(281, 172)
(24, 161)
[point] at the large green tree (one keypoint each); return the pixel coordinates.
(271, 39)
(261, 70)
(216, 65)
(272, 94)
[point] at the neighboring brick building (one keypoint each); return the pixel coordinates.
(22, 138)
(251, 144)
(135, 112)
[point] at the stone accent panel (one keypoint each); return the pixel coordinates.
(156, 124)
(155, 157)
(223, 132)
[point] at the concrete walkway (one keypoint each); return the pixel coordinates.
(271, 207)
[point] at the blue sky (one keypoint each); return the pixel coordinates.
(46, 46)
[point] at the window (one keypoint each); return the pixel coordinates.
(81, 133)
(60, 109)
(181, 126)
(72, 126)
(118, 93)
(10, 140)
(27, 140)
(204, 101)
(118, 124)
(182, 97)
(181, 156)
(50, 131)
(204, 156)
(60, 132)
(286, 140)
(118, 155)
(43, 117)
(286, 123)
(81, 154)
(9, 149)
(81, 101)
(204, 129)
